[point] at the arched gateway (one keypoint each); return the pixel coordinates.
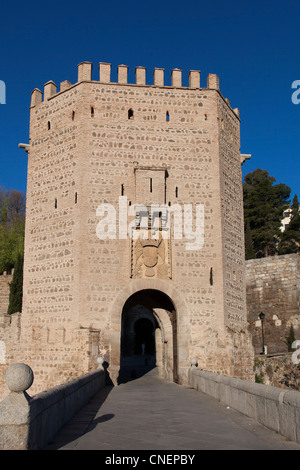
(148, 336)
(149, 313)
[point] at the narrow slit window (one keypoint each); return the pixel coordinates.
(150, 185)
(76, 198)
(92, 111)
(49, 125)
(130, 113)
(211, 277)
(167, 116)
(73, 115)
(122, 189)
(55, 203)
(176, 191)
(205, 117)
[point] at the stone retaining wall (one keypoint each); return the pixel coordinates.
(273, 287)
(279, 370)
(275, 408)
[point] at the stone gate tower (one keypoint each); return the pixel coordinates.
(97, 145)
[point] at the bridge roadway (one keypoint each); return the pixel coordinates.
(152, 414)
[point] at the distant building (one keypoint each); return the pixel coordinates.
(286, 219)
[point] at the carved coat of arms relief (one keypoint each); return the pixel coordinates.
(150, 258)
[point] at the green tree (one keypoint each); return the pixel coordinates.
(290, 238)
(12, 227)
(3, 207)
(16, 287)
(249, 250)
(264, 203)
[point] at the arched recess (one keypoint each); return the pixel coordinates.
(171, 315)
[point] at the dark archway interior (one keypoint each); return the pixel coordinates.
(144, 337)
(139, 325)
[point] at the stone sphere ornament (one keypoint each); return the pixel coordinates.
(19, 377)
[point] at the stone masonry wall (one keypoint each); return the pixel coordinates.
(232, 218)
(5, 280)
(278, 370)
(10, 330)
(273, 287)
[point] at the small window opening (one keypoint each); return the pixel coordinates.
(73, 115)
(130, 113)
(176, 191)
(55, 203)
(92, 111)
(211, 279)
(150, 185)
(122, 189)
(205, 117)
(76, 198)
(167, 116)
(49, 125)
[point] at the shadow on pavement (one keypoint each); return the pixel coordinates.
(83, 421)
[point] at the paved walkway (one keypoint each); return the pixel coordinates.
(152, 414)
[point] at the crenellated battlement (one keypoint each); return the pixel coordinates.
(7, 273)
(85, 75)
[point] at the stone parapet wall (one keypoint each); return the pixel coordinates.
(30, 423)
(273, 407)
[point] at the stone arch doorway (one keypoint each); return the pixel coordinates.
(148, 336)
(112, 336)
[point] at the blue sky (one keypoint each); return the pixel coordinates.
(254, 47)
